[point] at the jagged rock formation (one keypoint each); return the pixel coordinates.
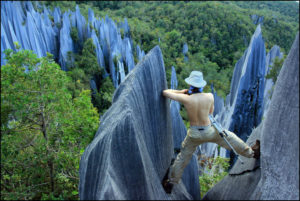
(247, 87)
(66, 42)
(247, 108)
(33, 30)
(278, 175)
(280, 135)
(140, 53)
(272, 54)
(218, 102)
(244, 105)
(249, 99)
(243, 108)
(257, 19)
(133, 146)
(185, 50)
(37, 34)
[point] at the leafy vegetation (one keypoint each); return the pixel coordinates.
(86, 68)
(49, 116)
(215, 171)
(74, 34)
(44, 131)
(284, 10)
(274, 72)
(218, 32)
(275, 69)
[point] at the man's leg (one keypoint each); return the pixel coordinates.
(193, 138)
(238, 144)
(188, 147)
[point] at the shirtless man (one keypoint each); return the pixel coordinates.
(198, 106)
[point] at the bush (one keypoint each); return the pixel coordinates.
(74, 34)
(43, 129)
(215, 169)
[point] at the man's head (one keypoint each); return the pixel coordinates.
(196, 79)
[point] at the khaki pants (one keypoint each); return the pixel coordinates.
(194, 138)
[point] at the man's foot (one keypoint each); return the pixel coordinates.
(256, 149)
(166, 182)
(168, 186)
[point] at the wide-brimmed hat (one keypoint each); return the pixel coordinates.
(196, 79)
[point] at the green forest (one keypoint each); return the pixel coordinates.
(49, 116)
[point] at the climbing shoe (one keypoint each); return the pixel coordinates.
(256, 149)
(168, 186)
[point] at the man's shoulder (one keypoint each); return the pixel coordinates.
(204, 97)
(209, 95)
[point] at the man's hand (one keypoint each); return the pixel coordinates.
(184, 91)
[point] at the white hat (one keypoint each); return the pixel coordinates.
(196, 79)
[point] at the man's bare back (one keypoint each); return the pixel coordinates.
(198, 106)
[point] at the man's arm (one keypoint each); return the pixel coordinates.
(177, 95)
(212, 107)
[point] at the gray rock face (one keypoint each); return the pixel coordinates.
(66, 42)
(257, 19)
(243, 109)
(280, 139)
(31, 32)
(185, 50)
(133, 146)
(278, 175)
(244, 105)
(249, 100)
(274, 52)
(218, 102)
(139, 53)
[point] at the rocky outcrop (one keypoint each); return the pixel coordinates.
(257, 19)
(280, 135)
(34, 30)
(185, 50)
(37, 34)
(276, 175)
(244, 105)
(269, 84)
(139, 53)
(133, 146)
(66, 42)
(250, 91)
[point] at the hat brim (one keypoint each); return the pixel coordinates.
(194, 84)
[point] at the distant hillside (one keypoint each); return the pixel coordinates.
(288, 9)
(216, 33)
